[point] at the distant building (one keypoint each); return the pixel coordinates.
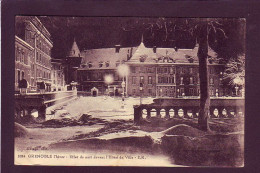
(162, 72)
(98, 63)
(57, 75)
(72, 63)
(168, 72)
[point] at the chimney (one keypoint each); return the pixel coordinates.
(154, 49)
(117, 48)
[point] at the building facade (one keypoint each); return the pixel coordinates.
(97, 65)
(57, 75)
(23, 56)
(161, 72)
(32, 53)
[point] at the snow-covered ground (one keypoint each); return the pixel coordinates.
(108, 108)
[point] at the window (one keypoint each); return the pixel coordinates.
(191, 90)
(211, 92)
(181, 81)
(117, 63)
(171, 79)
(142, 79)
(16, 54)
(149, 79)
(198, 92)
(211, 70)
(171, 70)
(22, 74)
(182, 92)
(89, 64)
(191, 70)
(107, 64)
(134, 80)
(133, 69)
(211, 81)
(166, 70)
(134, 92)
(18, 75)
(182, 70)
(150, 92)
(159, 79)
(40, 58)
(191, 80)
(100, 64)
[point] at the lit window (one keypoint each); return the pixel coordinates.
(191, 80)
(149, 79)
(142, 79)
(191, 70)
(211, 81)
(181, 80)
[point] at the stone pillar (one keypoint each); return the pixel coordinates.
(211, 112)
(176, 115)
(194, 115)
(42, 113)
(148, 113)
(158, 115)
(236, 111)
(185, 113)
(167, 113)
(220, 112)
(137, 114)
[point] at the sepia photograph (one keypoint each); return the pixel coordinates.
(129, 91)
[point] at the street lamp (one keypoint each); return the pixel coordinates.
(141, 89)
(109, 79)
(123, 71)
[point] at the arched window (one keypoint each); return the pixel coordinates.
(100, 64)
(181, 81)
(117, 63)
(107, 64)
(191, 80)
(89, 64)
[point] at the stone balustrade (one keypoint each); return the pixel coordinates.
(26, 103)
(189, 108)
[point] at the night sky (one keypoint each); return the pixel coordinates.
(102, 32)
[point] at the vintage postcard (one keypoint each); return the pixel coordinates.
(129, 91)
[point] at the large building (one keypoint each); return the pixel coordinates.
(23, 56)
(168, 72)
(161, 72)
(33, 54)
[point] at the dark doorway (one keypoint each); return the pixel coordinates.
(94, 93)
(116, 92)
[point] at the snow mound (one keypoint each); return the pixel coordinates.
(184, 130)
(85, 117)
(19, 130)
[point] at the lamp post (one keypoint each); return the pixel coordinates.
(123, 71)
(141, 90)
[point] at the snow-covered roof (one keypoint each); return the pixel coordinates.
(140, 54)
(104, 55)
(74, 52)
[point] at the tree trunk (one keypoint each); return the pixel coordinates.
(203, 74)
